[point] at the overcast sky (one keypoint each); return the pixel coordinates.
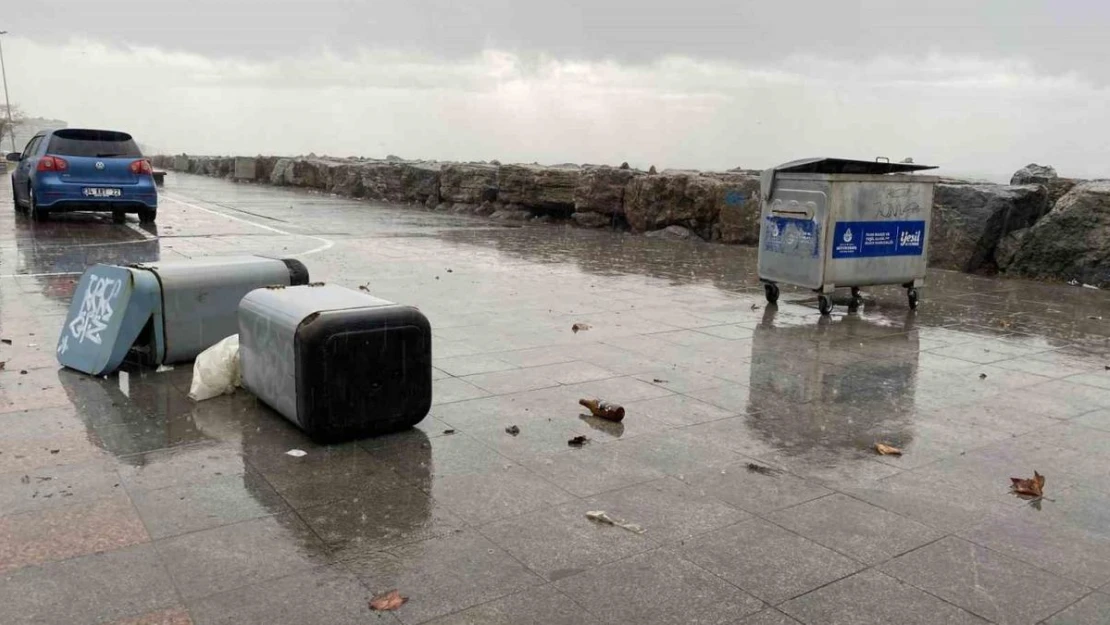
(979, 87)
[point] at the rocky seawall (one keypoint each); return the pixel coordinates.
(1040, 225)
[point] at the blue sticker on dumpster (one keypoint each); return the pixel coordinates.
(868, 239)
(792, 236)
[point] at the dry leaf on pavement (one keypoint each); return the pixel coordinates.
(580, 327)
(1030, 488)
(887, 450)
(388, 601)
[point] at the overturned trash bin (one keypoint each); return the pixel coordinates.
(829, 223)
(162, 313)
(337, 363)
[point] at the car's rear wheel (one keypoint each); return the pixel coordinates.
(37, 214)
(148, 215)
(15, 200)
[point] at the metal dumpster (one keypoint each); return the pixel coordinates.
(337, 363)
(162, 313)
(827, 223)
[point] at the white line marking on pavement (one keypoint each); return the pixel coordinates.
(325, 244)
(143, 233)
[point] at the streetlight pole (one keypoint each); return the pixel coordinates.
(7, 101)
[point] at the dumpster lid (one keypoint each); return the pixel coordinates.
(111, 306)
(825, 165)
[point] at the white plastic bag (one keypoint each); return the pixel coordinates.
(216, 370)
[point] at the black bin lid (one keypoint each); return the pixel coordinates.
(824, 165)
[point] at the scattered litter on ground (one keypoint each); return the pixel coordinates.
(756, 306)
(578, 441)
(163, 368)
(450, 271)
(602, 517)
(449, 432)
(579, 327)
(388, 602)
(296, 453)
(1005, 323)
(512, 430)
(1073, 282)
(3, 364)
(55, 452)
(760, 469)
(1033, 487)
(982, 376)
(32, 345)
(364, 287)
(603, 409)
(26, 479)
(6, 341)
(659, 381)
(887, 450)
(22, 372)
(1090, 286)
(216, 370)
(1095, 317)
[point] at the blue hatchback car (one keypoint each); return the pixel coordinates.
(75, 169)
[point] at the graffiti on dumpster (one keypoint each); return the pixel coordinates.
(96, 311)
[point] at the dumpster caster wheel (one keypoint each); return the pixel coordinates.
(824, 304)
(911, 295)
(772, 292)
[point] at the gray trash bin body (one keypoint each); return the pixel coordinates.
(829, 223)
(163, 313)
(339, 364)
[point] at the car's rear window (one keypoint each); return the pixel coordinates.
(93, 143)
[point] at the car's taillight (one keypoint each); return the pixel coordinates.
(52, 163)
(141, 166)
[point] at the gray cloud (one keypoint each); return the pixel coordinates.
(981, 90)
(1058, 36)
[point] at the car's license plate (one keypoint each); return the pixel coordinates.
(101, 192)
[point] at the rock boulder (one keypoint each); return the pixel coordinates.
(469, 183)
(601, 189)
(969, 221)
(1073, 241)
(534, 186)
(738, 204)
(680, 198)
(1044, 175)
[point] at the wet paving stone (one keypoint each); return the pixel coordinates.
(428, 574)
(766, 560)
(856, 529)
(658, 587)
(871, 598)
(161, 510)
(215, 560)
(1000, 589)
(536, 606)
(327, 594)
(88, 590)
(64, 532)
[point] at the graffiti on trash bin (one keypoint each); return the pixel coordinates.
(792, 236)
(96, 310)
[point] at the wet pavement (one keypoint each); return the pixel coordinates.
(121, 501)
